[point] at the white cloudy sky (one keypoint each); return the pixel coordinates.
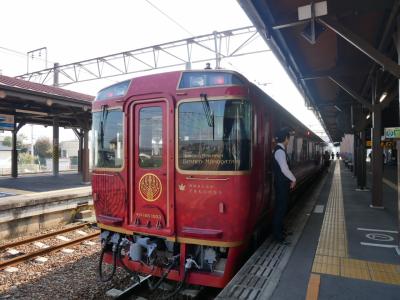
(75, 30)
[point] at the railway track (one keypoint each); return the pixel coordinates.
(21, 257)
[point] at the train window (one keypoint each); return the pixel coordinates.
(107, 132)
(304, 151)
(218, 139)
(114, 91)
(204, 79)
(290, 148)
(150, 137)
(299, 144)
(311, 150)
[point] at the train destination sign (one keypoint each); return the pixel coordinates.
(6, 122)
(392, 133)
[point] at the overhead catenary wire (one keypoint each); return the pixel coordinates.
(171, 19)
(20, 54)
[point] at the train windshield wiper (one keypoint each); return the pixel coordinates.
(103, 120)
(208, 112)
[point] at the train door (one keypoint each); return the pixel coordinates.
(151, 203)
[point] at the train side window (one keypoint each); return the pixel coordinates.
(299, 148)
(304, 151)
(150, 137)
(290, 148)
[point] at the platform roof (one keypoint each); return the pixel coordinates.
(353, 41)
(41, 104)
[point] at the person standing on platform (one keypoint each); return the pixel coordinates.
(283, 181)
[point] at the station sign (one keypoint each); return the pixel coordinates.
(392, 133)
(6, 122)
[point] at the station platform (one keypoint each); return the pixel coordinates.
(341, 248)
(36, 202)
(37, 183)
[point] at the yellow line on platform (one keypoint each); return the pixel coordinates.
(332, 254)
(313, 287)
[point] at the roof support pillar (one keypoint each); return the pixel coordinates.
(80, 156)
(14, 153)
(79, 135)
(398, 141)
(377, 153)
(55, 148)
(355, 155)
(362, 165)
(85, 156)
(14, 150)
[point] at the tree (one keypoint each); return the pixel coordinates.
(20, 143)
(7, 141)
(43, 148)
(25, 158)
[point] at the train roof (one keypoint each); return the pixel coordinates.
(170, 81)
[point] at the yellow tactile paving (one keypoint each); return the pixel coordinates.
(389, 268)
(333, 240)
(385, 277)
(353, 263)
(326, 269)
(313, 287)
(332, 252)
(357, 273)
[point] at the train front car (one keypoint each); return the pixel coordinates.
(174, 183)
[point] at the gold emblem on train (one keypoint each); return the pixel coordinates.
(150, 187)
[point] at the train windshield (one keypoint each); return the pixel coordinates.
(214, 135)
(107, 139)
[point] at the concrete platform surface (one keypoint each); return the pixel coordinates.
(347, 250)
(38, 183)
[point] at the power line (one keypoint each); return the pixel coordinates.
(171, 19)
(14, 51)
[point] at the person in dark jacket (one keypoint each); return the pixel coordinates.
(284, 180)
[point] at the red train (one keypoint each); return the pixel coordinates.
(182, 171)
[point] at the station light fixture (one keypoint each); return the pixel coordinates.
(368, 116)
(3, 94)
(383, 96)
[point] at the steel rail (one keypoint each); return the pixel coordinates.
(18, 259)
(41, 237)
